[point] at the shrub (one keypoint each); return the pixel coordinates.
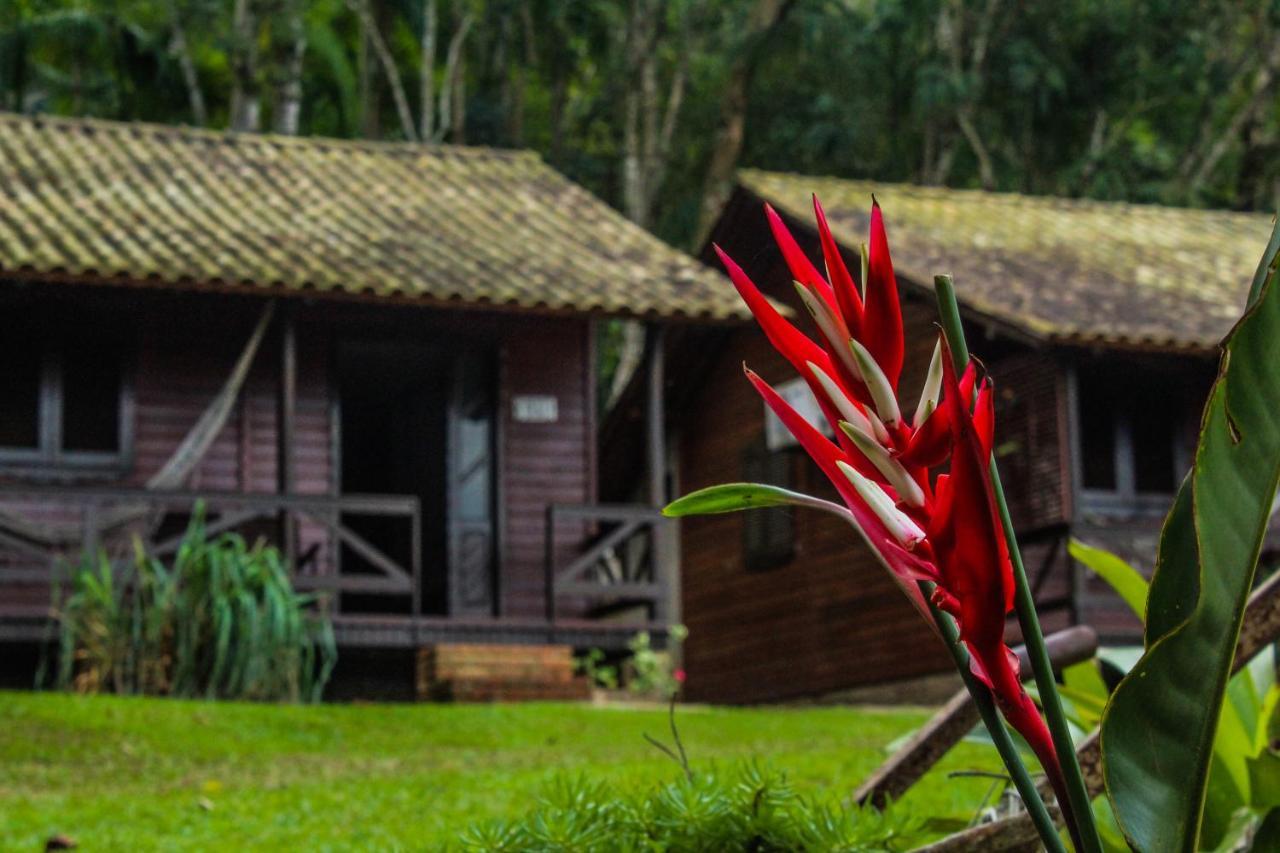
(645, 671)
(223, 621)
(747, 808)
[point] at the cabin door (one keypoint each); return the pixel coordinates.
(470, 474)
(417, 419)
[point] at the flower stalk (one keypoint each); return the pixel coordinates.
(1086, 831)
(1004, 744)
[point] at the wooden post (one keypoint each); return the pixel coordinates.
(89, 518)
(655, 417)
(666, 568)
(286, 428)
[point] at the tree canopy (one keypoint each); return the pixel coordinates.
(653, 103)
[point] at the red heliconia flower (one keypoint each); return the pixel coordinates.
(976, 584)
(944, 528)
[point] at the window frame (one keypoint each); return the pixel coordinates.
(48, 456)
(1125, 497)
(765, 556)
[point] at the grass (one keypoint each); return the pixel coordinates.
(146, 774)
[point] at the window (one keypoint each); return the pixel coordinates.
(20, 394)
(62, 404)
(768, 534)
(1097, 439)
(1133, 427)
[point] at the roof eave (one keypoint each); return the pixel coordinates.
(247, 287)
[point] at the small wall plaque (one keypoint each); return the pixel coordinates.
(535, 408)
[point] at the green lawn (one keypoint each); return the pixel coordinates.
(142, 774)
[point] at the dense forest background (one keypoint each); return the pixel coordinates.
(654, 103)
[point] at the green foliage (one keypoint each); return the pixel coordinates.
(745, 809)
(130, 773)
(1159, 729)
(1132, 99)
(1244, 774)
(223, 621)
(1128, 583)
(734, 497)
(646, 671)
(649, 671)
(593, 664)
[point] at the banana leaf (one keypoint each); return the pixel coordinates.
(1122, 577)
(1159, 728)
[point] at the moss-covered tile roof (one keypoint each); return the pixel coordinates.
(1062, 269)
(91, 200)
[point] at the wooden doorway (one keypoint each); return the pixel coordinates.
(418, 419)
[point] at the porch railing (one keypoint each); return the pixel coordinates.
(624, 562)
(120, 513)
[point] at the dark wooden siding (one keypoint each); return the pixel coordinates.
(184, 347)
(1032, 449)
(179, 355)
(1033, 452)
(542, 463)
(180, 367)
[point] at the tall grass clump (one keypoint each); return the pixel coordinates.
(747, 808)
(222, 622)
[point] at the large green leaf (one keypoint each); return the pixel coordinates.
(1122, 577)
(732, 497)
(1158, 731)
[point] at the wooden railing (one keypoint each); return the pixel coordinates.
(109, 515)
(625, 560)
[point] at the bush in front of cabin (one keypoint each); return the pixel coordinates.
(644, 672)
(222, 621)
(747, 808)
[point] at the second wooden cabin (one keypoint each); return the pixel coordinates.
(1099, 324)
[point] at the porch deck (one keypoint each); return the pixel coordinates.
(32, 625)
(598, 595)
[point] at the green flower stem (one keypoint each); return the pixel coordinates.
(1032, 635)
(999, 732)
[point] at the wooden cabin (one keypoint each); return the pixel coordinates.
(1099, 323)
(381, 357)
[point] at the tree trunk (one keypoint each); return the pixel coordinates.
(986, 172)
(452, 90)
(649, 123)
(528, 59)
(388, 63)
(181, 51)
(634, 107)
(458, 119)
(427, 72)
(950, 33)
(559, 103)
(370, 106)
(630, 357)
(246, 105)
(292, 52)
(764, 19)
(1260, 88)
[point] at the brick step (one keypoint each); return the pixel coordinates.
(479, 672)
(508, 672)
